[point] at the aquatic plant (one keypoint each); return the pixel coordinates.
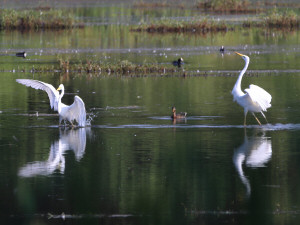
(37, 19)
(142, 4)
(68, 68)
(286, 4)
(232, 6)
(124, 67)
(287, 19)
(197, 25)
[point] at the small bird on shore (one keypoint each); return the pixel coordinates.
(21, 54)
(178, 62)
(180, 115)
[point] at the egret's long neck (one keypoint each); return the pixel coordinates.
(62, 94)
(237, 86)
(59, 99)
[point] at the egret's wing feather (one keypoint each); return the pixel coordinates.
(259, 96)
(76, 111)
(53, 94)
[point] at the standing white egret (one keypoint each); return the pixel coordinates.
(255, 99)
(76, 111)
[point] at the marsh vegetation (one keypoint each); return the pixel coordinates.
(280, 19)
(229, 6)
(196, 25)
(122, 67)
(35, 19)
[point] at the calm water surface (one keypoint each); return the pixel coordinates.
(134, 165)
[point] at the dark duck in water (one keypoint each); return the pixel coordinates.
(180, 115)
(21, 54)
(222, 49)
(178, 63)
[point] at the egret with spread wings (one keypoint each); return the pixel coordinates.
(75, 112)
(255, 99)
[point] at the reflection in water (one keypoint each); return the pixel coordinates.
(256, 152)
(178, 121)
(74, 139)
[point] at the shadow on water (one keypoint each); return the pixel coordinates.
(254, 152)
(71, 139)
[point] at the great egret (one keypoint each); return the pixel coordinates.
(76, 111)
(255, 99)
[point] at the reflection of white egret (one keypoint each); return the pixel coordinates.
(255, 99)
(76, 111)
(256, 152)
(69, 140)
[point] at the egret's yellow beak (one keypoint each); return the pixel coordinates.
(239, 54)
(59, 88)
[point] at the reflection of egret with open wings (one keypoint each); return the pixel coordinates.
(74, 139)
(255, 152)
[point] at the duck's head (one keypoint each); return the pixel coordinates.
(173, 109)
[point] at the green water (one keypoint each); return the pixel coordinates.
(134, 165)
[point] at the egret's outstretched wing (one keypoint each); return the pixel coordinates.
(53, 94)
(259, 96)
(76, 111)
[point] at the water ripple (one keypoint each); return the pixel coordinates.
(267, 127)
(189, 118)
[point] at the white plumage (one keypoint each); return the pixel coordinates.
(255, 99)
(73, 139)
(255, 152)
(260, 96)
(75, 112)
